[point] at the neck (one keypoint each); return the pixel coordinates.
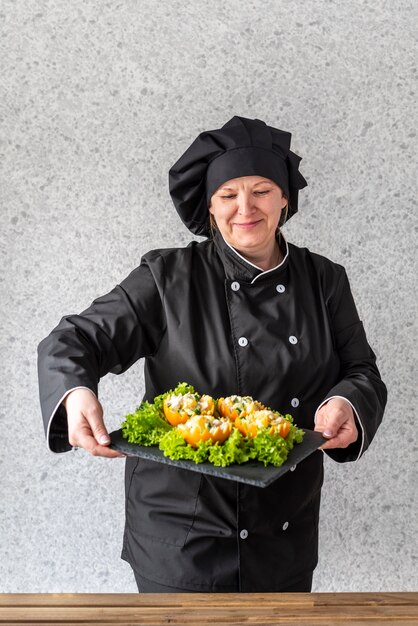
(266, 260)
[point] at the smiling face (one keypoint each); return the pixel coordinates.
(247, 212)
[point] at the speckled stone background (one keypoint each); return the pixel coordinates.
(97, 101)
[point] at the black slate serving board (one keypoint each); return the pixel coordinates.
(250, 473)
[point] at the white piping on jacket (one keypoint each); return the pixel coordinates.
(56, 408)
(263, 272)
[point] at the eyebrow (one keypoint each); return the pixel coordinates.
(261, 182)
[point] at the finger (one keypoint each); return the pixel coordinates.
(330, 419)
(83, 438)
(107, 452)
(342, 440)
(81, 435)
(347, 435)
(323, 426)
(88, 443)
(94, 416)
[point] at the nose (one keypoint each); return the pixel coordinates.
(245, 204)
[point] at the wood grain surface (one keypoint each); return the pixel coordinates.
(204, 609)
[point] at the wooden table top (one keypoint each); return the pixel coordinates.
(204, 609)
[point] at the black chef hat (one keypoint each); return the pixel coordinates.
(242, 147)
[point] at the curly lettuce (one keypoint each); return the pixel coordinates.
(174, 447)
(147, 426)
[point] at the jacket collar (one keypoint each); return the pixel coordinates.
(238, 268)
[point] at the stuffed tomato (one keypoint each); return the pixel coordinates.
(251, 417)
(264, 420)
(238, 406)
(178, 408)
(205, 428)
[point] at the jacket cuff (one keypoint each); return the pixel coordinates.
(354, 451)
(57, 430)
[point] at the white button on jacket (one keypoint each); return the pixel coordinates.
(244, 533)
(243, 341)
(235, 286)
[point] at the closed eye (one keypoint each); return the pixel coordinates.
(256, 193)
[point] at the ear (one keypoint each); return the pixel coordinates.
(210, 208)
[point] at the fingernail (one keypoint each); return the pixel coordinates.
(328, 433)
(104, 439)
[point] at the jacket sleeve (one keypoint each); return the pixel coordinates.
(109, 336)
(360, 381)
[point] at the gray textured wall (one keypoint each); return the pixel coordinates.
(97, 101)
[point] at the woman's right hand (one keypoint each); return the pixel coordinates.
(86, 428)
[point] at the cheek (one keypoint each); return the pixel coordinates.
(214, 209)
(220, 214)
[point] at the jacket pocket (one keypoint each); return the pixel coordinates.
(161, 501)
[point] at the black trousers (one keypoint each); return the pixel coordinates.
(148, 586)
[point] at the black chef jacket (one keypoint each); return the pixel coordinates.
(290, 337)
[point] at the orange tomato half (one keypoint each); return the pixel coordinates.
(251, 425)
(238, 406)
(179, 408)
(282, 429)
(174, 416)
(204, 428)
(246, 428)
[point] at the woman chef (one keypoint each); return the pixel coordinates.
(243, 312)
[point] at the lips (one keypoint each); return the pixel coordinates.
(247, 225)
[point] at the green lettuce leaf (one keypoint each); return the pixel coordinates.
(175, 447)
(236, 449)
(147, 426)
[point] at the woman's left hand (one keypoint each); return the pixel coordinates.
(335, 420)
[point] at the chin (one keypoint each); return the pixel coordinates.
(248, 242)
